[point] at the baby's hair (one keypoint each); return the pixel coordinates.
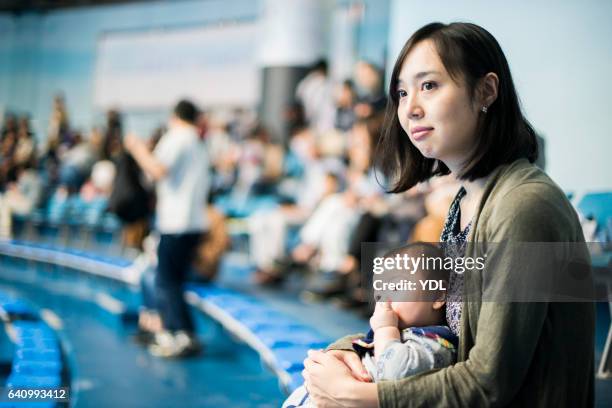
(427, 251)
(430, 266)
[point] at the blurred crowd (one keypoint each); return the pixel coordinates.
(323, 196)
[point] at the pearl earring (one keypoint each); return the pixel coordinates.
(484, 109)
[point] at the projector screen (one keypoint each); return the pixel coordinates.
(212, 65)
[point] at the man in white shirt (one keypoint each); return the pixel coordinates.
(179, 165)
(315, 93)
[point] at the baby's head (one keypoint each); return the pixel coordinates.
(420, 306)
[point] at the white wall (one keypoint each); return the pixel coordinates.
(6, 34)
(213, 65)
(560, 55)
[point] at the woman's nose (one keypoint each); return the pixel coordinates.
(415, 111)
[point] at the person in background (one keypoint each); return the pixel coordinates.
(7, 158)
(59, 135)
(345, 101)
(76, 163)
(371, 98)
(179, 166)
(131, 198)
(25, 149)
(269, 229)
(328, 231)
(111, 144)
(9, 124)
(315, 93)
(224, 154)
(100, 183)
(21, 196)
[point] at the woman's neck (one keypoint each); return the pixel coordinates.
(474, 191)
(474, 188)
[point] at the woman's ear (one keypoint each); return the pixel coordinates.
(489, 86)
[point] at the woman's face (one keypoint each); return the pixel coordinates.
(435, 112)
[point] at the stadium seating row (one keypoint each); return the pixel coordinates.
(37, 360)
(71, 222)
(281, 342)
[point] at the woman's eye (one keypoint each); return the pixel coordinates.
(428, 86)
(401, 93)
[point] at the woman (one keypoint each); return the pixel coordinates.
(453, 109)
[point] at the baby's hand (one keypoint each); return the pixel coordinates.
(383, 316)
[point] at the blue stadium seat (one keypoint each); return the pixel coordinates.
(291, 358)
(279, 337)
(57, 210)
(76, 211)
(286, 339)
(33, 329)
(273, 319)
(93, 212)
(37, 359)
(38, 355)
(31, 381)
(597, 205)
(37, 368)
(239, 208)
(295, 382)
(240, 309)
(17, 309)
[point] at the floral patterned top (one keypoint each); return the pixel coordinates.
(454, 241)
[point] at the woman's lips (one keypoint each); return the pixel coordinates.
(420, 133)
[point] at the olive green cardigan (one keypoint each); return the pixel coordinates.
(512, 354)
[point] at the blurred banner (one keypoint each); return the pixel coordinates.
(212, 65)
(293, 32)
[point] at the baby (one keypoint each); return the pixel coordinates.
(406, 337)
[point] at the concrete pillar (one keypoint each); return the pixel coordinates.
(294, 35)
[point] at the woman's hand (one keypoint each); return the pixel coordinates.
(353, 362)
(330, 382)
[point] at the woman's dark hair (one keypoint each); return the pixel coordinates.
(468, 52)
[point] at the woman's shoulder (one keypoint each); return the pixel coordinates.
(525, 198)
(525, 186)
(521, 175)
